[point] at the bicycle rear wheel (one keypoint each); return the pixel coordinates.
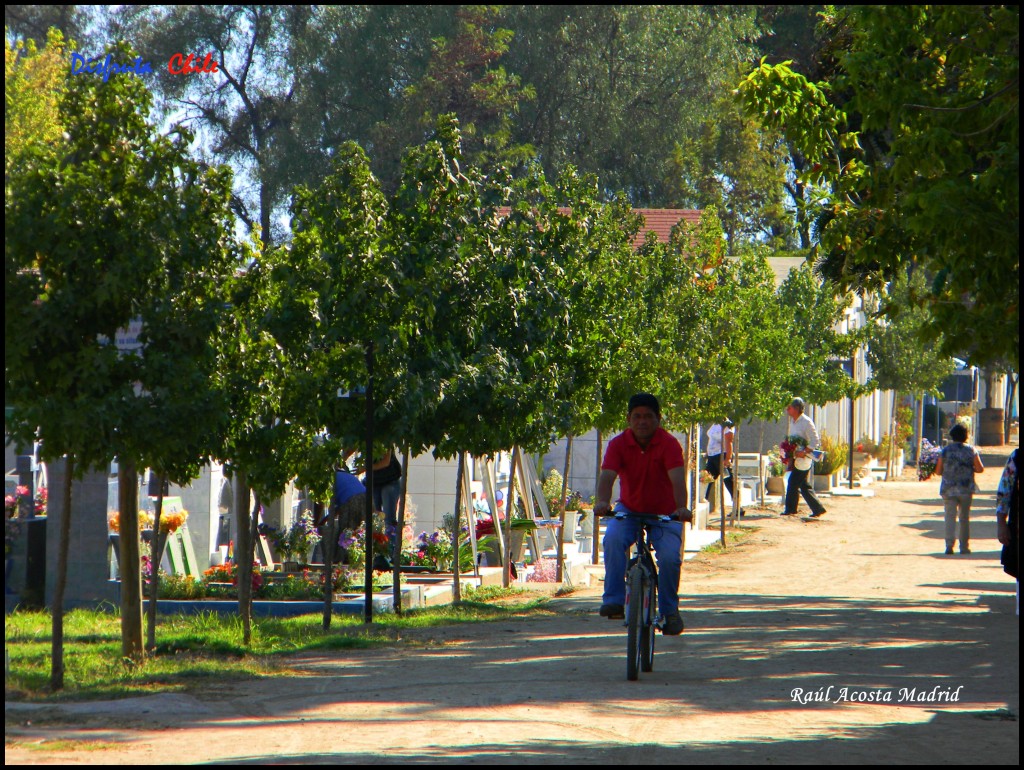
(647, 627)
(634, 623)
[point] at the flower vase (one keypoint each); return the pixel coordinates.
(776, 485)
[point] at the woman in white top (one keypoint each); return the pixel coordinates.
(720, 453)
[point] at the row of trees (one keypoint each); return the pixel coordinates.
(501, 309)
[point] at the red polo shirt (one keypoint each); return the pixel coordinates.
(643, 473)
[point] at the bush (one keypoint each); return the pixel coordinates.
(867, 445)
(836, 454)
(180, 587)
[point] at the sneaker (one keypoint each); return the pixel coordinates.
(612, 611)
(964, 549)
(818, 515)
(673, 625)
(788, 513)
(949, 550)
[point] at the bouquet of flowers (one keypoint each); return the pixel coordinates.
(706, 477)
(296, 540)
(351, 542)
(790, 445)
(484, 526)
(172, 522)
(926, 462)
(436, 548)
(776, 466)
(114, 521)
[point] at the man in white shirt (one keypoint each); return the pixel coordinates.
(801, 463)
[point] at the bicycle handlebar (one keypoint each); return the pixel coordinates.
(648, 516)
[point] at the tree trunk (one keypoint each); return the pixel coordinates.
(561, 513)
(327, 546)
(131, 568)
(1011, 396)
(155, 556)
(57, 606)
(693, 463)
(736, 489)
(720, 497)
(920, 431)
(243, 556)
(456, 527)
(890, 460)
(506, 575)
(396, 564)
(368, 512)
(761, 480)
(594, 552)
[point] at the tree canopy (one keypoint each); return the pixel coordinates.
(921, 175)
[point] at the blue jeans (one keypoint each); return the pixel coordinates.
(666, 537)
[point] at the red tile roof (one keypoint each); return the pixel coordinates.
(658, 221)
(661, 221)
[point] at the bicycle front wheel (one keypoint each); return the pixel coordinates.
(634, 623)
(647, 626)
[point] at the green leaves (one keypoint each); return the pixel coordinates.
(116, 225)
(922, 174)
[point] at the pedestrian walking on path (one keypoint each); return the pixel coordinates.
(801, 462)
(957, 465)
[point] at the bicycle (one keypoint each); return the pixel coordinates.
(641, 602)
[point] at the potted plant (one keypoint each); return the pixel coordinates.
(836, 454)
(775, 484)
(293, 545)
(521, 525)
(864, 452)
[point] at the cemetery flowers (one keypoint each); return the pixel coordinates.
(790, 445)
(12, 503)
(929, 457)
(114, 521)
(172, 522)
(295, 541)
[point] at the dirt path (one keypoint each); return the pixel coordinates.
(859, 605)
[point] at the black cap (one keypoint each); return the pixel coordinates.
(644, 399)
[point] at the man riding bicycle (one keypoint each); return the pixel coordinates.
(650, 463)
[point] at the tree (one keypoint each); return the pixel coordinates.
(246, 110)
(34, 22)
(733, 165)
(618, 86)
(899, 360)
(464, 79)
(34, 81)
(817, 321)
(115, 226)
(789, 33)
(920, 175)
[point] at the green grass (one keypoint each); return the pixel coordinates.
(733, 535)
(194, 649)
